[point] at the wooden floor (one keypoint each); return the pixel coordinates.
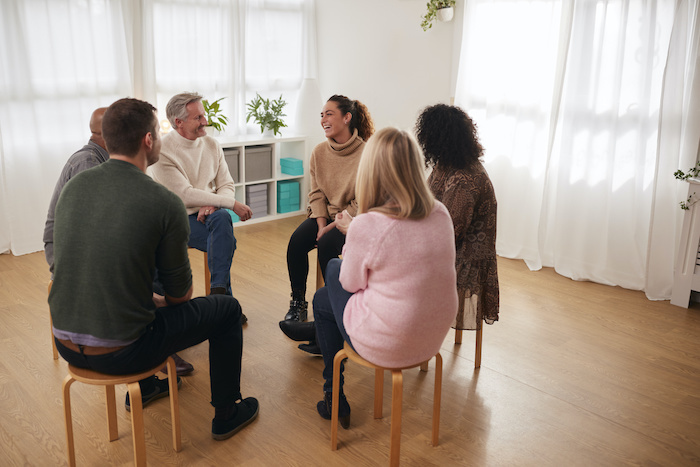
(575, 373)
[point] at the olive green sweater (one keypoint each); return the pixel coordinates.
(114, 225)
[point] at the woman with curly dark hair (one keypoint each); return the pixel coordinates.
(450, 144)
(347, 124)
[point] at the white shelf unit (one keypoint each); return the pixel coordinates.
(286, 146)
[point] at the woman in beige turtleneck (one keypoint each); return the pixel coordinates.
(347, 124)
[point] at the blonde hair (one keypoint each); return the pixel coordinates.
(391, 177)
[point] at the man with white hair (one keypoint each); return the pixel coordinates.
(192, 165)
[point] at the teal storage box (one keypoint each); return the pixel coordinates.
(292, 166)
(288, 196)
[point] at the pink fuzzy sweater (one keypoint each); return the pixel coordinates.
(402, 275)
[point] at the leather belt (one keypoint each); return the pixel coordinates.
(88, 349)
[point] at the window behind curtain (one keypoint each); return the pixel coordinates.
(231, 49)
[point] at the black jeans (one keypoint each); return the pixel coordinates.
(301, 242)
(216, 318)
(329, 307)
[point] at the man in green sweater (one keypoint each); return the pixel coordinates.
(114, 227)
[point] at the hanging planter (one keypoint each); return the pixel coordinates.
(443, 10)
(445, 14)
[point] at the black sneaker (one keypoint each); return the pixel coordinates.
(246, 413)
(244, 319)
(160, 389)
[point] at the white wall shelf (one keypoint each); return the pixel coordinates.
(250, 164)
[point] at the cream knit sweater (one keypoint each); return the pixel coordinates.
(196, 171)
(333, 169)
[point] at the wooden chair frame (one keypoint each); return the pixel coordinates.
(132, 382)
(396, 398)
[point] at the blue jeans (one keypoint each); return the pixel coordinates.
(329, 306)
(216, 318)
(215, 237)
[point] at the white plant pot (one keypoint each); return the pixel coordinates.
(211, 131)
(445, 14)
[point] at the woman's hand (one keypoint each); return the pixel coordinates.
(324, 230)
(342, 221)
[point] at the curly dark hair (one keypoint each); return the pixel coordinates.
(361, 118)
(448, 137)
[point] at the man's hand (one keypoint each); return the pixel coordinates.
(242, 211)
(204, 211)
(159, 300)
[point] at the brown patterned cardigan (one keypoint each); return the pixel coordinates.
(469, 197)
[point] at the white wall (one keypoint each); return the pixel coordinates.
(376, 52)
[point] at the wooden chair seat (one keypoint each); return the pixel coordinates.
(396, 398)
(132, 382)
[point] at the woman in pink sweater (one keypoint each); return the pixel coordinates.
(392, 297)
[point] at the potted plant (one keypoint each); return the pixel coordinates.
(693, 173)
(215, 119)
(441, 9)
(267, 113)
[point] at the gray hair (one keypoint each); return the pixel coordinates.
(177, 106)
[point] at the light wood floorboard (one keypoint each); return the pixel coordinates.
(575, 373)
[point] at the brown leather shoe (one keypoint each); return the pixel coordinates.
(183, 367)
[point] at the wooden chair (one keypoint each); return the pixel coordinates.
(108, 381)
(458, 334)
(207, 274)
(396, 398)
(319, 275)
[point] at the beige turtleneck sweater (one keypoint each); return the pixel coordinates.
(333, 169)
(196, 171)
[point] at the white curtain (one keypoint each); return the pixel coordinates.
(583, 109)
(61, 59)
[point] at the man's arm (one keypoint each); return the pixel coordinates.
(78, 162)
(176, 301)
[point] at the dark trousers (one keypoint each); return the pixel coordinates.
(302, 241)
(329, 306)
(216, 318)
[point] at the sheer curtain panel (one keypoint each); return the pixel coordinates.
(582, 108)
(61, 59)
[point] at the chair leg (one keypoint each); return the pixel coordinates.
(68, 420)
(437, 397)
(458, 336)
(174, 406)
(477, 356)
(111, 402)
(337, 360)
(378, 393)
(319, 276)
(396, 402)
(424, 365)
(53, 340)
(207, 275)
(137, 424)
(460, 311)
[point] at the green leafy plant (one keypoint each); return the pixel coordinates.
(692, 172)
(267, 113)
(213, 113)
(433, 6)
